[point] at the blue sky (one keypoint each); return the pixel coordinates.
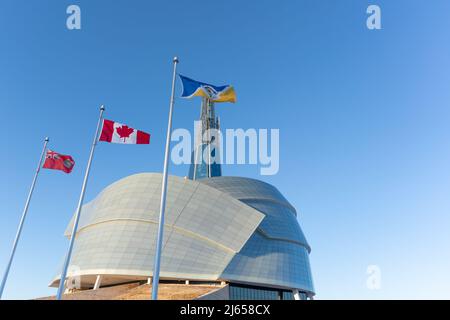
(363, 118)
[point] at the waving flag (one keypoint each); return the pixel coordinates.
(57, 161)
(115, 132)
(193, 88)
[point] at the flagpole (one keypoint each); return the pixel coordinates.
(22, 220)
(77, 215)
(162, 207)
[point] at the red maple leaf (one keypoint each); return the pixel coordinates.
(124, 132)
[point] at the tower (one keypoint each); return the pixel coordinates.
(205, 157)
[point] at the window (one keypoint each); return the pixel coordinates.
(245, 292)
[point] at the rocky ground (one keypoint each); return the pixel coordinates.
(135, 291)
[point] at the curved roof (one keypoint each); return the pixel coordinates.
(247, 189)
(222, 228)
(228, 223)
(281, 217)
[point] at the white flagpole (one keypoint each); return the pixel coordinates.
(162, 207)
(62, 281)
(22, 220)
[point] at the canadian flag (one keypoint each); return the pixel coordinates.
(115, 132)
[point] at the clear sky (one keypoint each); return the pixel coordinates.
(363, 118)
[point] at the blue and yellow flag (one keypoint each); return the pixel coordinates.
(192, 88)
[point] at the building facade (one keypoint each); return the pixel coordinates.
(235, 230)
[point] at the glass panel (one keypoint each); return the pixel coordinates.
(244, 292)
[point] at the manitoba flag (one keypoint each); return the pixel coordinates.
(115, 132)
(57, 161)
